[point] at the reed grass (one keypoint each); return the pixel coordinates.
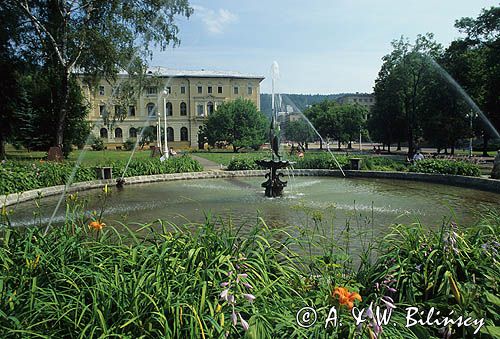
(164, 280)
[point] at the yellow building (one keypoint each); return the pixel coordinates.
(187, 97)
(364, 99)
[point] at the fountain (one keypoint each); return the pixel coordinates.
(274, 186)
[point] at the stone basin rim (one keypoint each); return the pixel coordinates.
(483, 184)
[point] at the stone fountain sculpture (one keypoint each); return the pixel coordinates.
(274, 185)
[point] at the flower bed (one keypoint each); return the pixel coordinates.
(19, 176)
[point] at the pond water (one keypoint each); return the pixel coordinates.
(363, 202)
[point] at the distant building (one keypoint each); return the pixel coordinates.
(363, 99)
(187, 97)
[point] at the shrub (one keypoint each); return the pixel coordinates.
(77, 282)
(441, 166)
(382, 164)
(97, 144)
(241, 164)
(320, 161)
(128, 145)
(17, 176)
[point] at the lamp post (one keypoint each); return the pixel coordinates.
(360, 140)
(165, 144)
(471, 116)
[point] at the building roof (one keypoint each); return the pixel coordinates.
(168, 72)
(347, 95)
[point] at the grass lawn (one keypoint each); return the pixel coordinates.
(90, 157)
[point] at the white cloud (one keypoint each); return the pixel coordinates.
(215, 21)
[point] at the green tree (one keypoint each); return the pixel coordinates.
(408, 65)
(386, 123)
(352, 122)
(444, 117)
(474, 62)
(325, 119)
(238, 123)
(337, 122)
(300, 132)
(13, 100)
(95, 37)
(36, 131)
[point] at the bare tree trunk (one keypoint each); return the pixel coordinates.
(399, 146)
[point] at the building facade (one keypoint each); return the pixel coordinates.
(364, 99)
(187, 97)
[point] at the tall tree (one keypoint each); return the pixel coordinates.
(411, 66)
(352, 121)
(300, 132)
(95, 37)
(13, 99)
(386, 122)
(445, 118)
(474, 61)
(238, 123)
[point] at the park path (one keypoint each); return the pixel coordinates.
(208, 165)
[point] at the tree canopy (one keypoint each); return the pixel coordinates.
(97, 38)
(237, 123)
(415, 99)
(300, 132)
(337, 122)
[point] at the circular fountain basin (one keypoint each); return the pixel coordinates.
(361, 202)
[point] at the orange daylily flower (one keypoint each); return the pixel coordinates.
(345, 297)
(97, 225)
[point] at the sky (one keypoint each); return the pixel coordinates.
(321, 46)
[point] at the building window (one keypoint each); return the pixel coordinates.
(169, 90)
(132, 132)
(151, 90)
(183, 108)
(151, 109)
(236, 90)
(184, 134)
(183, 90)
(103, 133)
(131, 111)
(118, 133)
(102, 110)
(200, 89)
(209, 89)
(101, 90)
(219, 89)
(200, 110)
(119, 110)
(250, 90)
(210, 107)
(168, 108)
(170, 134)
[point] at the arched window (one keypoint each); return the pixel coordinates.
(183, 108)
(151, 109)
(103, 133)
(132, 132)
(170, 134)
(184, 134)
(210, 107)
(168, 106)
(118, 133)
